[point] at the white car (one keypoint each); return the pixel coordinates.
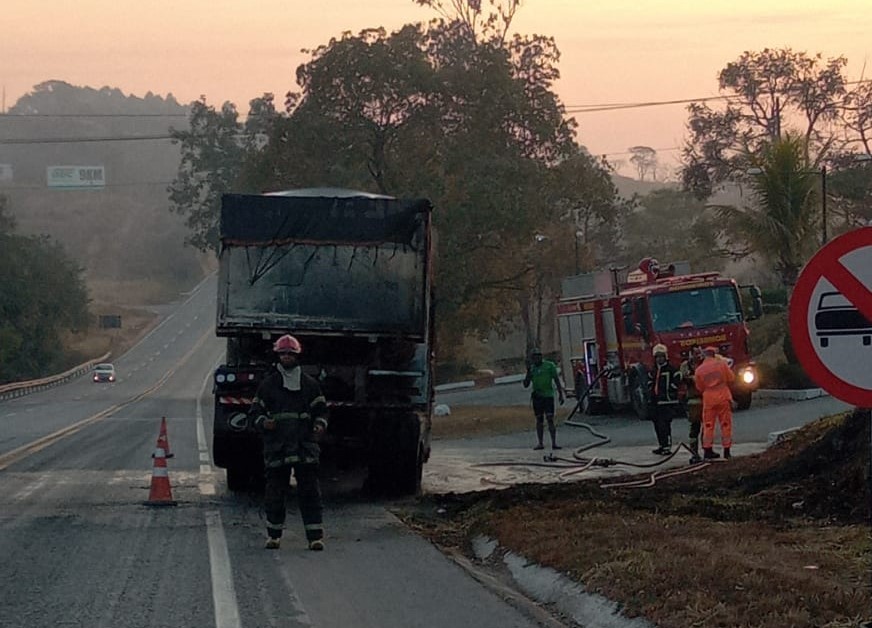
(104, 373)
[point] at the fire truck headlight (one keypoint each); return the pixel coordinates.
(220, 378)
(748, 376)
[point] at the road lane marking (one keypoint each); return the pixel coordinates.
(301, 616)
(207, 475)
(223, 591)
(38, 445)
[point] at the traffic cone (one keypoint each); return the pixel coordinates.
(162, 441)
(160, 494)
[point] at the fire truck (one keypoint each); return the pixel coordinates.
(608, 324)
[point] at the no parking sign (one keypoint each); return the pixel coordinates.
(831, 317)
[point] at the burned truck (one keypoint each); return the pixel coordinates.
(348, 274)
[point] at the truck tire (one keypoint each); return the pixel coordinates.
(238, 478)
(396, 465)
(743, 399)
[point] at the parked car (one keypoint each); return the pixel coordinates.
(104, 373)
(836, 316)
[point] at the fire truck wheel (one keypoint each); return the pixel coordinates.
(743, 399)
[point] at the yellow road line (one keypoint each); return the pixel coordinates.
(38, 445)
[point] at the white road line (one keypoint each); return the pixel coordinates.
(301, 617)
(207, 477)
(223, 591)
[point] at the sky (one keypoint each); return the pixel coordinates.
(619, 51)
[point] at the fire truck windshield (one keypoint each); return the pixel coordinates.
(701, 307)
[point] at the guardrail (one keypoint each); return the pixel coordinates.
(19, 389)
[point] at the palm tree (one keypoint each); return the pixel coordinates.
(780, 227)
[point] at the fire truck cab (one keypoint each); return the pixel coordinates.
(608, 325)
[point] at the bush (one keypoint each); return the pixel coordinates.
(784, 376)
(766, 331)
(774, 296)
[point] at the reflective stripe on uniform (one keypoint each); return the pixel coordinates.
(279, 416)
(313, 527)
(318, 399)
(275, 526)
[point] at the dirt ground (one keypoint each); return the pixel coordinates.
(776, 539)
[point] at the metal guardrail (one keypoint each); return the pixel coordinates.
(19, 389)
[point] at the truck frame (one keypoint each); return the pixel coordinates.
(607, 328)
(350, 275)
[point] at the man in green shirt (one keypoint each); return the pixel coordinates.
(543, 375)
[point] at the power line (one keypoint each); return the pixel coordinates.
(93, 115)
(77, 140)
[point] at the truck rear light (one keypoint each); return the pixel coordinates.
(231, 377)
(220, 378)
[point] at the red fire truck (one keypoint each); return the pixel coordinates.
(608, 326)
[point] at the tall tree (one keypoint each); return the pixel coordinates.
(781, 226)
(43, 294)
(672, 225)
(644, 158)
(764, 92)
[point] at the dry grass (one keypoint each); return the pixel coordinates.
(694, 571)
(467, 421)
(771, 540)
(96, 342)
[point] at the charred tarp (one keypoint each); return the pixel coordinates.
(319, 263)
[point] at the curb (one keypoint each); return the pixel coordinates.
(20, 389)
(485, 381)
(802, 394)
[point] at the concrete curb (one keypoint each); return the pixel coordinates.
(551, 588)
(19, 389)
(802, 394)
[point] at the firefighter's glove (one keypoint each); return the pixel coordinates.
(318, 432)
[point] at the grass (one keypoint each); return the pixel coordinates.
(776, 539)
(470, 421)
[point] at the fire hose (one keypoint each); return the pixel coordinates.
(579, 464)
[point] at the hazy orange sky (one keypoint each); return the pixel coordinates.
(613, 51)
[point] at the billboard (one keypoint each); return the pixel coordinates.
(5, 173)
(75, 176)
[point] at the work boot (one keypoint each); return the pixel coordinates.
(317, 545)
(272, 543)
(710, 454)
(538, 447)
(694, 458)
(556, 446)
(727, 454)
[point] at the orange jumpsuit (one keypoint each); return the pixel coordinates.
(713, 377)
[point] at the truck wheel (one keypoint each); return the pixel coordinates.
(396, 467)
(238, 478)
(742, 399)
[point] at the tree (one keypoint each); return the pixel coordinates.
(43, 294)
(763, 92)
(644, 158)
(673, 225)
(212, 151)
(781, 227)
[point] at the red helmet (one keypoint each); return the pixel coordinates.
(287, 344)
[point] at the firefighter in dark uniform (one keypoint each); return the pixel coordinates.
(291, 414)
(663, 385)
(693, 401)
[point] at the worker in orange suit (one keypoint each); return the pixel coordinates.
(713, 378)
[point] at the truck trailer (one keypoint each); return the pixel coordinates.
(349, 274)
(608, 325)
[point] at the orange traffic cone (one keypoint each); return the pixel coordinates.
(160, 494)
(162, 441)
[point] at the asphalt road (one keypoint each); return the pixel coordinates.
(79, 547)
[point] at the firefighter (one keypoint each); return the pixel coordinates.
(693, 401)
(291, 414)
(713, 378)
(663, 386)
(543, 375)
